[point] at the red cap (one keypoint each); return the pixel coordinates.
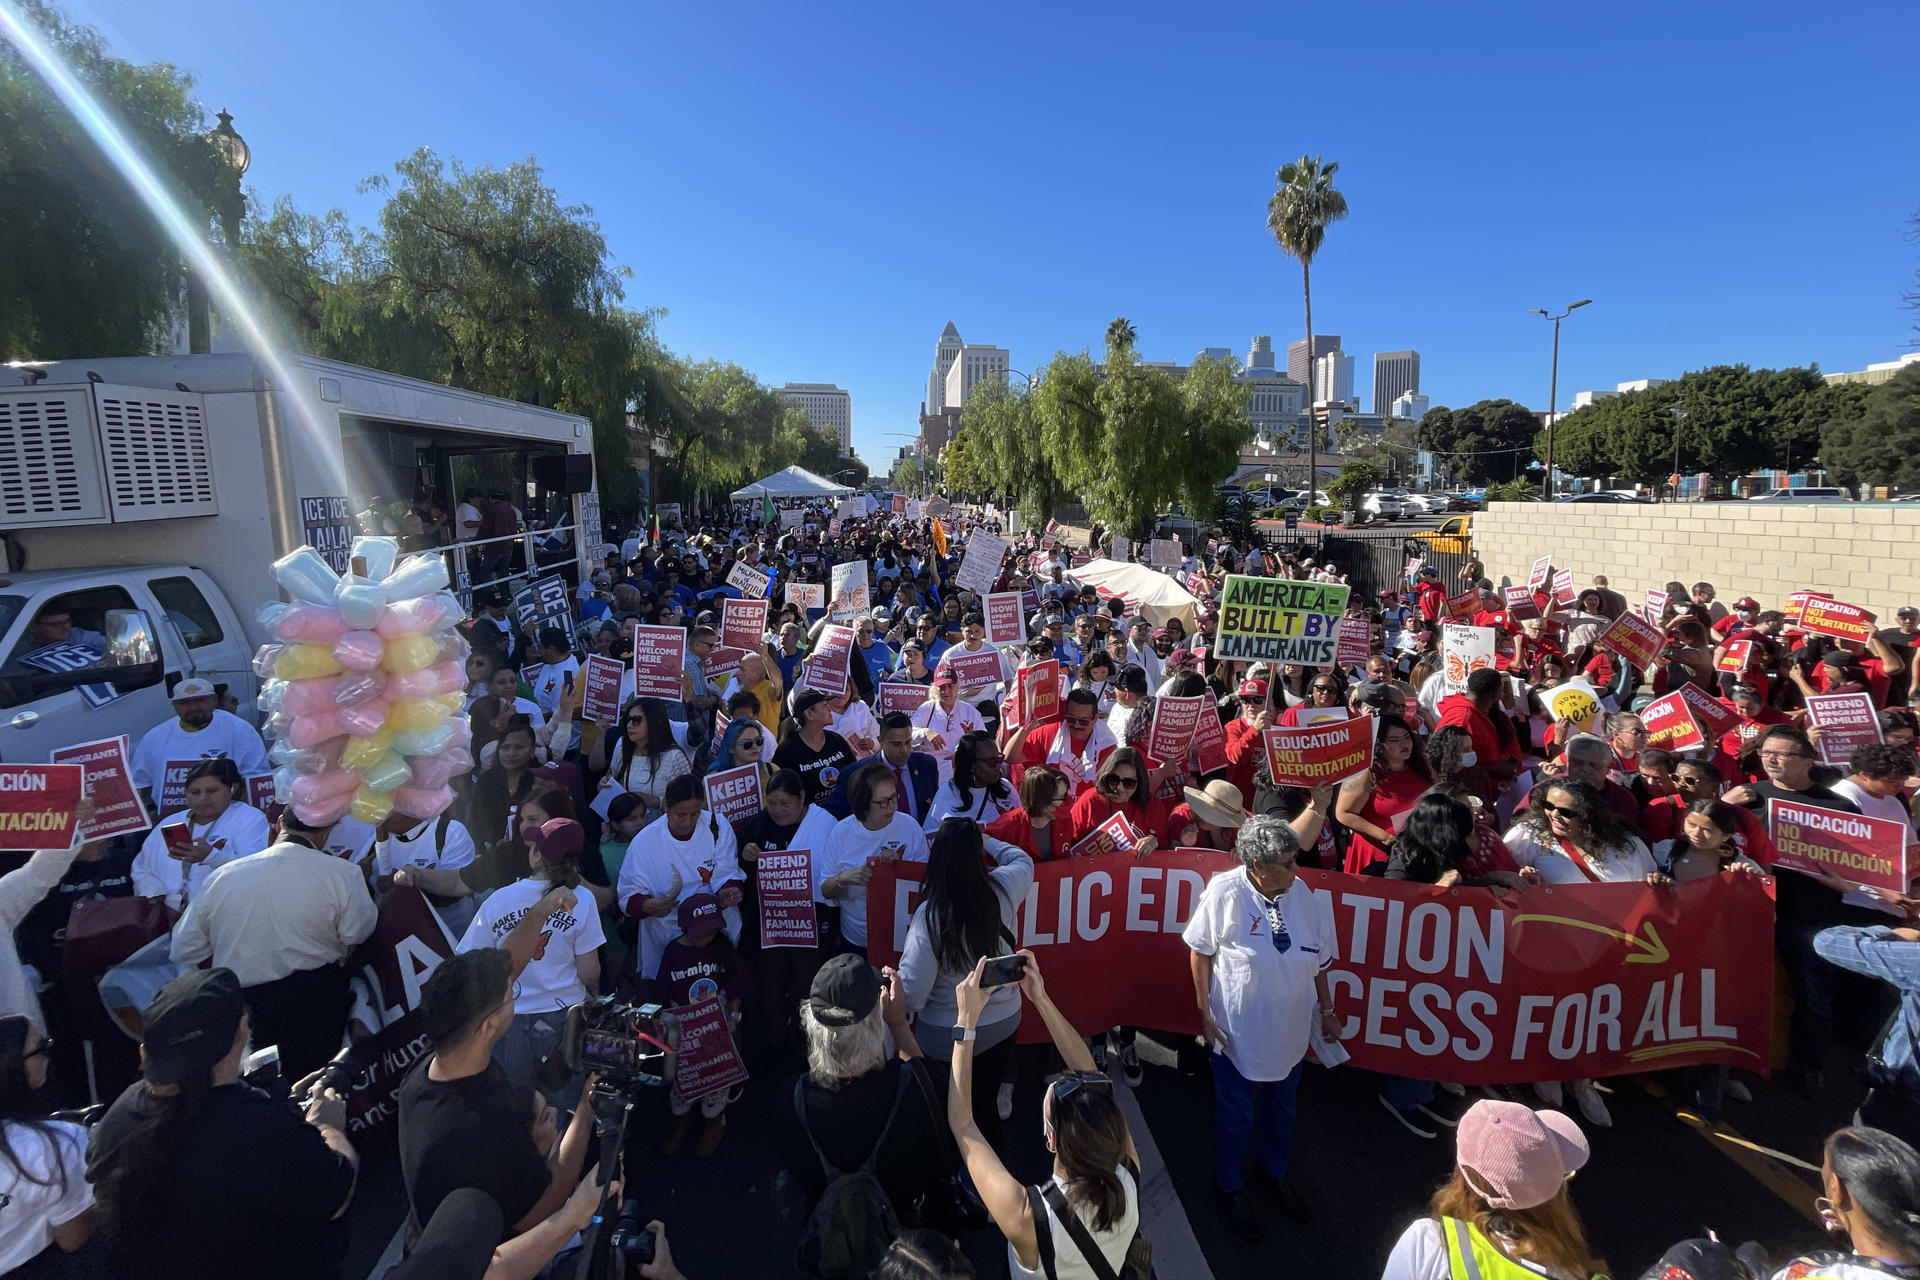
(1253, 689)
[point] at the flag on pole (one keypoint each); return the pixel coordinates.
(767, 514)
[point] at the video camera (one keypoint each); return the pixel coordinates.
(630, 1047)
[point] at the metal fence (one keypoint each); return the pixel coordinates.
(1373, 560)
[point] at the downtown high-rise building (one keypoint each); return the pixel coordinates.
(1394, 374)
(1333, 378)
(945, 352)
(826, 406)
(1297, 363)
(960, 366)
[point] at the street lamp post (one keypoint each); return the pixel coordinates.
(1553, 385)
(233, 149)
(1673, 488)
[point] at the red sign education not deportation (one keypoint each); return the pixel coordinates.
(1670, 724)
(1325, 752)
(1868, 851)
(1635, 639)
(1824, 617)
(37, 803)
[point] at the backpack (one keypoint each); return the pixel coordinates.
(854, 1223)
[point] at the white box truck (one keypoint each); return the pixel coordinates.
(144, 499)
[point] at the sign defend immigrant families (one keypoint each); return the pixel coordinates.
(1280, 620)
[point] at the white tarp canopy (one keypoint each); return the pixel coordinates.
(1154, 596)
(792, 482)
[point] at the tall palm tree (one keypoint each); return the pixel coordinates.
(1120, 334)
(1304, 202)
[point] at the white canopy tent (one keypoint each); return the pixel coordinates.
(1148, 592)
(792, 482)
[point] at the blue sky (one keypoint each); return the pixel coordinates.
(814, 191)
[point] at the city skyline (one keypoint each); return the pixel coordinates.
(846, 276)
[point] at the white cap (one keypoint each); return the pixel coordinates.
(193, 687)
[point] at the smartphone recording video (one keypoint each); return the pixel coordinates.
(1003, 969)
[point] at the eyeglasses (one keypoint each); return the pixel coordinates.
(1078, 722)
(1785, 755)
(754, 745)
(1068, 1081)
(886, 801)
(1122, 780)
(1564, 810)
(1326, 688)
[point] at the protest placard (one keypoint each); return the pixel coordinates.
(547, 603)
(1463, 651)
(826, 666)
(1824, 616)
(1574, 702)
(1038, 686)
(723, 661)
(1867, 851)
(1735, 655)
(600, 679)
(808, 597)
(1655, 606)
(669, 513)
(659, 658)
(733, 794)
(1210, 744)
(1354, 642)
(1164, 553)
(1537, 577)
(170, 789)
(749, 580)
(1173, 726)
(1120, 549)
(980, 568)
(1635, 639)
(974, 670)
(743, 623)
(261, 792)
(1846, 721)
(787, 914)
(1325, 752)
(1563, 592)
(1714, 717)
(898, 695)
(1005, 622)
(850, 597)
(897, 505)
(37, 803)
(708, 1060)
(1115, 835)
(1279, 620)
(1670, 724)
(792, 517)
(1464, 605)
(1520, 604)
(109, 784)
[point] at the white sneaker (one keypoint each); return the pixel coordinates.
(1549, 1093)
(1003, 1101)
(1591, 1107)
(1737, 1092)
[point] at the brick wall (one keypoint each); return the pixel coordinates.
(1861, 553)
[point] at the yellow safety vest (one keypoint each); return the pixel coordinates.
(1471, 1256)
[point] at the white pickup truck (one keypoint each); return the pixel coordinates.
(143, 501)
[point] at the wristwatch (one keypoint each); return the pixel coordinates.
(964, 1035)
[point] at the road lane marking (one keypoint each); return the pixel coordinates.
(1163, 1219)
(1763, 1163)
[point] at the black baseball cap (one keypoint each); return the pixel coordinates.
(806, 700)
(191, 1024)
(844, 991)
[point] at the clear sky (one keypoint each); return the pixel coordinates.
(815, 190)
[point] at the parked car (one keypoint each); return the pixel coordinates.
(1605, 496)
(1431, 504)
(1383, 505)
(1632, 495)
(1806, 493)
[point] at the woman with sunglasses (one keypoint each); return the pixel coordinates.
(1373, 805)
(1120, 787)
(978, 789)
(643, 759)
(1040, 822)
(1870, 1184)
(43, 1163)
(1326, 699)
(1094, 1188)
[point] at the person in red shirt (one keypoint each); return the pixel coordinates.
(1746, 610)
(1040, 826)
(1488, 611)
(1370, 802)
(1430, 596)
(1079, 755)
(1735, 760)
(1243, 735)
(1116, 789)
(1696, 780)
(1840, 671)
(1627, 735)
(1326, 691)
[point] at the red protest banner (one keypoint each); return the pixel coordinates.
(408, 942)
(1635, 639)
(1735, 656)
(1210, 744)
(1846, 721)
(1324, 752)
(109, 784)
(37, 803)
(1563, 592)
(1115, 835)
(826, 666)
(723, 662)
(898, 506)
(659, 657)
(1828, 617)
(1353, 642)
(1005, 622)
(600, 679)
(733, 794)
(1868, 851)
(708, 1060)
(1520, 604)
(787, 914)
(898, 695)
(974, 670)
(1670, 725)
(1038, 688)
(1174, 722)
(1464, 605)
(1715, 717)
(1537, 577)
(743, 623)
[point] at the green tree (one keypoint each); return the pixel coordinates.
(1304, 203)
(1120, 334)
(1487, 440)
(906, 474)
(84, 270)
(1355, 481)
(1879, 444)
(1004, 425)
(963, 465)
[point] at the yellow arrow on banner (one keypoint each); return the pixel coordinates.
(1647, 950)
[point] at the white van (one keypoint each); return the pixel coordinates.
(1808, 493)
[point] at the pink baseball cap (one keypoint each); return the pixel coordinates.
(1520, 1156)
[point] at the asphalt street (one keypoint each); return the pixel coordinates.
(1656, 1176)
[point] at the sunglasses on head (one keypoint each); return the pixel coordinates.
(1068, 1081)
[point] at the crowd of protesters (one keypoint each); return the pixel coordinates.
(580, 858)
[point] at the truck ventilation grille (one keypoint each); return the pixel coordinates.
(159, 461)
(48, 464)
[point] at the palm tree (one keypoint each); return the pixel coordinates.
(1304, 202)
(1120, 334)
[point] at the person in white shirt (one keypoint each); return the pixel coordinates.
(1876, 774)
(424, 854)
(284, 920)
(973, 642)
(198, 731)
(565, 968)
(978, 788)
(854, 721)
(1129, 687)
(175, 865)
(942, 720)
(1142, 654)
(43, 1163)
(875, 832)
(1261, 945)
(690, 851)
(21, 890)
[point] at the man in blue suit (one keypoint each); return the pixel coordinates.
(915, 771)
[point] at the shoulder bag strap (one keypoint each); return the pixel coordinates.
(800, 1106)
(899, 1095)
(1042, 1232)
(1082, 1238)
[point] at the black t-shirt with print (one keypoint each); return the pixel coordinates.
(819, 770)
(465, 1133)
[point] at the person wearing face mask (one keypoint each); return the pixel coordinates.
(1870, 1199)
(218, 830)
(198, 731)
